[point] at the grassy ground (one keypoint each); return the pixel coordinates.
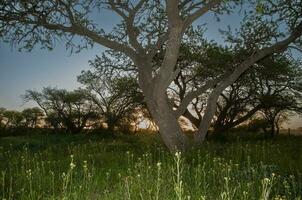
(139, 167)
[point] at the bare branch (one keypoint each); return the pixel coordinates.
(296, 48)
(198, 13)
(131, 30)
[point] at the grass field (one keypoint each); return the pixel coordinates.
(139, 167)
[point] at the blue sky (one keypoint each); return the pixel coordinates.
(20, 71)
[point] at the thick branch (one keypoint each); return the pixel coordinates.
(166, 72)
(245, 117)
(131, 30)
(211, 107)
(75, 29)
(192, 95)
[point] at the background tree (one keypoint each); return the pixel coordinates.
(147, 27)
(13, 119)
(52, 120)
(236, 105)
(280, 90)
(32, 116)
(69, 109)
(2, 110)
(273, 84)
(118, 98)
(276, 110)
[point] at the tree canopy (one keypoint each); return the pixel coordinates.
(117, 97)
(148, 27)
(67, 109)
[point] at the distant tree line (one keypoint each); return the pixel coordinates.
(114, 104)
(29, 117)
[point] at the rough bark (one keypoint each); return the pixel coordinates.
(208, 116)
(167, 123)
(160, 108)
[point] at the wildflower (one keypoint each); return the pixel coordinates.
(178, 154)
(28, 173)
(85, 164)
(72, 165)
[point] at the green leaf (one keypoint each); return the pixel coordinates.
(260, 8)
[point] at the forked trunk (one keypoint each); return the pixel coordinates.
(169, 128)
(160, 109)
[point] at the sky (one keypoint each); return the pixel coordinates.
(20, 71)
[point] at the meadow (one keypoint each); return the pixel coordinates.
(139, 167)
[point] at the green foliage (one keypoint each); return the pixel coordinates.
(259, 8)
(66, 109)
(31, 116)
(2, 110)
(270, 87)
(137, 167)
(117, 96)
(13, 118)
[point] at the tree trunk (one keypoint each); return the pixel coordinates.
(272, 129)
(277, 128)
(207, 118)
(169, 128)
(154, 90)
(110, 126)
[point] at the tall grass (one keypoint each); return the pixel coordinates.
(139, 167)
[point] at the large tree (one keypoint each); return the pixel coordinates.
(147, 27)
